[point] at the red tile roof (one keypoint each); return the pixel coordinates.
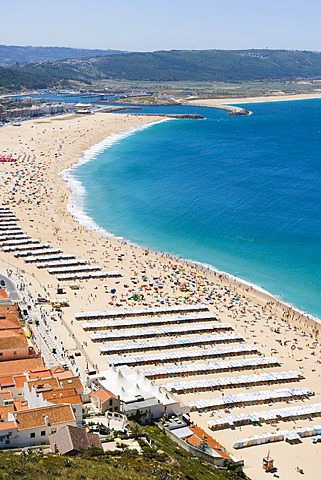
(4, 410)
(7, 381)
(201, 434)
(37, 417)
(20, 380)
(6, 394)
(194, 440)
(7, 425)
(103, 394)
(15, 367)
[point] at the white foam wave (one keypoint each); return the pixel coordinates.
(76, 207)
(77, 200)
(255, 287)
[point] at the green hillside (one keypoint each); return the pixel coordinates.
(11, 54)
(213, 65)
(164, 461)
(169, 66)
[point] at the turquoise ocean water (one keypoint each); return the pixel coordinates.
(242, 194)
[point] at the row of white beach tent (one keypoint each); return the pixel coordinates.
(14, 240)
(33, 245)
(87, 275)
(187, 354)
(13, 231)
(143, 321)
(279, 436)
(38, 250)
(61, 263)
(6, 214)
(10, 227)
(158, 331)
(235, 381)
(169, 343)
(262, 396)
(8, 223)
(12, 243)
(48, 258)
(139, 311)
(279, 414)
(201, 368)
(12, 237)
(74, 269)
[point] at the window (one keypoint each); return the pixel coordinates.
(115, 408)
(43, 433)
(111, 402)
(53, 430)
(7, 442)
(32, 435)
(1, 354)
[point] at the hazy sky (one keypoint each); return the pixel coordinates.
(147, 25)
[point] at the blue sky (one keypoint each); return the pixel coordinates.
(148, 25)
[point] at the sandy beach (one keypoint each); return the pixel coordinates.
(35, 191)
(215, 102)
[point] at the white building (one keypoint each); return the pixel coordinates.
(139, 396)
(32, 427)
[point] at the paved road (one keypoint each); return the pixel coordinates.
(10, 288)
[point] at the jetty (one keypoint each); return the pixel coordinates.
(192, 116)
(231, 109)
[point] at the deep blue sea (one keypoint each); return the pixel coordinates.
(242, 194)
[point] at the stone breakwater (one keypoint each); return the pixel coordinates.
(234, 111)
(193, 116)
(231, 109)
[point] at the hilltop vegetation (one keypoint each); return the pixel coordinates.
(11, 54)
(168, 66)
(165, 461)
(212, 65)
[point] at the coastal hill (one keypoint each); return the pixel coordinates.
(11, 54)
(213, 65)
(167, 66)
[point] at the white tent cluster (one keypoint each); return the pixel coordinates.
(44, 250)
(170, 343)
(57, 263)
(86, 275)
(262, 396)
(209, 367)
(232, 382)
(280, 414)
(179, 356)
(13, 239)
(129, 385)
(122, 312)
(158, 331)
(287, 435)
(143, 321)
(48, 258)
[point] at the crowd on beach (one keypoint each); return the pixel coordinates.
(31, 186)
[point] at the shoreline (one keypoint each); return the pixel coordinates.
(40, 201)
(77, 193)
(76, 207)
(230, 101)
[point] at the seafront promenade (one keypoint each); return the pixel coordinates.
(206, 337)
